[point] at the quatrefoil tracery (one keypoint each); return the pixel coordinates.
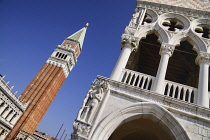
(147, 19)
(173, 24)
(203, 31)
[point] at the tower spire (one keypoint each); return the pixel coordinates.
(79, 36)
(40, 93)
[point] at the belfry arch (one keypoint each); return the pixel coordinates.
(150, 114)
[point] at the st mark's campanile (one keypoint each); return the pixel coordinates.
(41, 91)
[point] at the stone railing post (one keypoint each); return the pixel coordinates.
(166, 52)
(129, 44)
(203, 60)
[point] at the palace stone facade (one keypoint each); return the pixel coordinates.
(159, 87)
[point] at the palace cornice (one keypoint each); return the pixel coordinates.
(8, 94)
(174, 105)
(15, 104)
(163, 8)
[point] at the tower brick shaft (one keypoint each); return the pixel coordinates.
(42, 90)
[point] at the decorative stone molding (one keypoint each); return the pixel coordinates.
(81, 129)
(24, 136)
(203, 57)
(64, 65)
(172, 104)
(8, 94)
(203, 31)
(150, 17)
(164, 8)
(145, 110)
(131, 41)
(167, 49)
(201, 27)
(137, 17)
(183, 24)
(92, 101)
(9, 105)
(3, 132)
(171, 22)
(193, 4)
(147, 19)
(130, 31)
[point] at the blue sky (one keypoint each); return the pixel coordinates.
(29, 32)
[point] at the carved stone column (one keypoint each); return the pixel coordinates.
(129, 44)
(6, 112)
(2, 108)
(14, 118)
(9, 117)
(203, 60)
(166, 52)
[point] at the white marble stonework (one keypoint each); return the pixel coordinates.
(193, 120)
(181, 111)
(193, 4)
(66, 63)
(10, 108)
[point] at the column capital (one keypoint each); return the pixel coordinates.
(167, 49)
(129, 41)
(203, 58)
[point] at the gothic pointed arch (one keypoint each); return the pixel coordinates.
(146, 58)
(197, 43)
(181, 67)
(150, 111)
(158, 31)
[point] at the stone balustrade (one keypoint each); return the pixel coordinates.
(180, 91)
(137, 79)
(171, 89)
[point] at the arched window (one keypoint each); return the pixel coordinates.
(57, 54)
(146, 59)
(181, 66)
(65, 56)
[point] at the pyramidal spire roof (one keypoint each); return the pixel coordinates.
(79, 36)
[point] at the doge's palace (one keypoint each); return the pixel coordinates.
(159, 87)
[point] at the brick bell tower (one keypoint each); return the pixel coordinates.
(40, 93)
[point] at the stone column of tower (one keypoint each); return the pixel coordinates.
(40, 93)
